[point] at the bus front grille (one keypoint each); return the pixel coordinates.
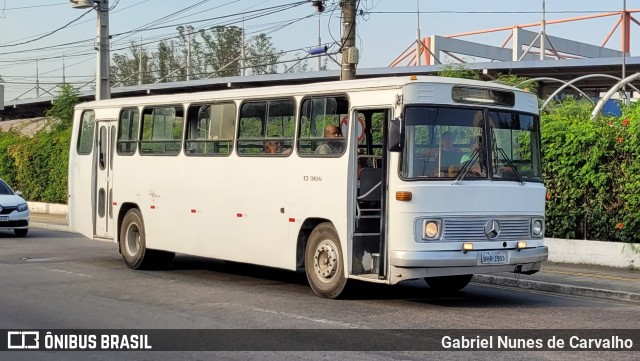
(465, 229)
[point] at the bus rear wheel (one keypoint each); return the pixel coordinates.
(448, 283)
(133, 246)
(323, 262)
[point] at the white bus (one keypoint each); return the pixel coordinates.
(434, 178)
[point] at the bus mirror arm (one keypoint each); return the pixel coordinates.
(395, 135)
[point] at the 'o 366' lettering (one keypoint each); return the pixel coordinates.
(312, 178)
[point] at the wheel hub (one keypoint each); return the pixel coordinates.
(132, 241)
(325, 261)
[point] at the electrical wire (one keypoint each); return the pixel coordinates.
(48, 34)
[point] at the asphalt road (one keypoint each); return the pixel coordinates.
(59, 280)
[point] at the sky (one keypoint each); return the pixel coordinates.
(385, 28)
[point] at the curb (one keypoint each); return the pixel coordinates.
(557, 288)
(53, 227)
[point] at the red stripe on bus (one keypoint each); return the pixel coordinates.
(153, 207)
(193, 211)
(292, 220)
(239, 215)
(114, 203)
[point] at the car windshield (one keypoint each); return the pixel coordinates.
(4, 188)
(454, 143)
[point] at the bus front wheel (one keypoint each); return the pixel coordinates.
(133, 246)
(323, 262)
(448, 283)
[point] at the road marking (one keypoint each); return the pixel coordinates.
(70, 273)
(306, 318)
(592, 275)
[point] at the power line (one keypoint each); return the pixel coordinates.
(50, 33)
(490, 12)
(34, 6)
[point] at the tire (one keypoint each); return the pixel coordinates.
(21, 232)
(448, 283)
(323, 262)
(133, 246)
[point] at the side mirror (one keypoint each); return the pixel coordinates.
(395, 138)
(19, 194)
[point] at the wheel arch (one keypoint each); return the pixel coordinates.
(303, 236)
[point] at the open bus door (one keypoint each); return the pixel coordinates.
(369, 238)
(103, 165)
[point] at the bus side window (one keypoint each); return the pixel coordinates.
(264, 123)
(85, 136)
(128, 131)
(162, 128)
(210, 129)
(317, 113)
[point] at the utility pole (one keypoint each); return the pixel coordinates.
(543, 33)
(418, 40)
(319, 43)
(349, 50)
(140, 63)
(37, 80)
(190, 34)
(103, 87)
(243, 55)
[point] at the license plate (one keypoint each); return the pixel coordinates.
(493, 257)
(4, 219)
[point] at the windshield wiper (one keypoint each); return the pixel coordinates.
(467, 166)
(513, 167)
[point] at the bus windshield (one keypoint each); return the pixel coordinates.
(470, 144)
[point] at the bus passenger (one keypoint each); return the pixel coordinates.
(332, 146)
(275, 147)
(272, 147)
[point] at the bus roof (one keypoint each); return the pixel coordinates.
(287, 90)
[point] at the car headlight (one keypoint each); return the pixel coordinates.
(431, 229)
(22, 207)
(537, 227)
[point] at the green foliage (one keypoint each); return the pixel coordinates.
(262, 55)
(38, 165)
(62, 109)
(592, 172)
(518, 82)
(458, 71)
(7, 163)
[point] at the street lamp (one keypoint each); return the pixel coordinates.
(103, 88)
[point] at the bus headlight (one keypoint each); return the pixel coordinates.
(537, 227)
(431, 229)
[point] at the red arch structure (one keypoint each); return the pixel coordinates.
(624, 18)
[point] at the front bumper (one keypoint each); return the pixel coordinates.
(406, 265)
(16, 220)
(429, 259)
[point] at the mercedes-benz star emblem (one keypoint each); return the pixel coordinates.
(492, 228)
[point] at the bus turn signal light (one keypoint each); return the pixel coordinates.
(522, 244)
(404, 196)
(467, 247)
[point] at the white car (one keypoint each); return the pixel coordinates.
(14, 211)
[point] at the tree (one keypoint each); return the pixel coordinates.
(262, 55)
(300, 65)
(221, 50)
(62, 107)
(126, 67)
(167, 66)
